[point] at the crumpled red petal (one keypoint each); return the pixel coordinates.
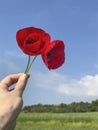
(54, 55)
(33, 41)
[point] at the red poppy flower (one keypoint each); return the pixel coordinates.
(33, 41)
(54, 55)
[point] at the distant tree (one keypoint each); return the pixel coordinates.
(94, 105)
(62, 108)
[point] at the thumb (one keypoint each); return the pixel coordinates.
(21, 84)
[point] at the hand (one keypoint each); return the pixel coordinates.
(11, 100)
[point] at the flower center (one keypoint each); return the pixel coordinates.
(31, 41)
(50, 53)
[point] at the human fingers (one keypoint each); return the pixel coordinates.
(20, 86)
(9, 80)
(11, 125)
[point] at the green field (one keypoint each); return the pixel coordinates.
(57, 121)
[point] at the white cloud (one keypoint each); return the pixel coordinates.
(47, 80)
(86, 86)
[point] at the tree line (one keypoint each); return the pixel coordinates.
(63, 108)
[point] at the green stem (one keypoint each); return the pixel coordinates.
(27, 65)
(31, 64)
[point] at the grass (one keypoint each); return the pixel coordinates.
(55, 121)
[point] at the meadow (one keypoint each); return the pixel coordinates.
(57, 121)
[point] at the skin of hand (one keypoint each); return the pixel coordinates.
(11, 100)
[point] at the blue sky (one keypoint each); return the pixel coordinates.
(73, 21)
